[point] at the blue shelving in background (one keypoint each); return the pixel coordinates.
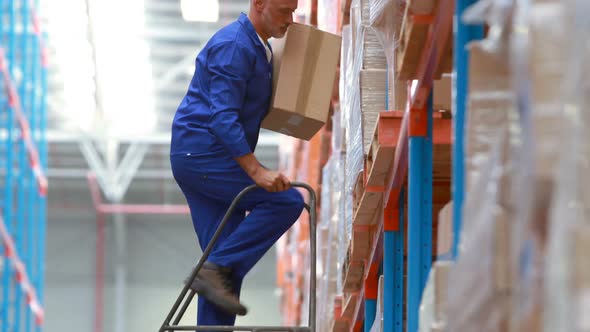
(22, 165)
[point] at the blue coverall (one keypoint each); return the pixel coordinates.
(219, 119)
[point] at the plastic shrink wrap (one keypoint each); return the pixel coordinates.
(539, 64)
(433, 306)
(324, 243)
(378, 322)
(481, 289)
(368, 58)
(332, 186)
(567, 269)
(385, 20)
(353, 122)
(345, 68)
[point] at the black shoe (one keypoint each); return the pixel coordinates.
(214, 283)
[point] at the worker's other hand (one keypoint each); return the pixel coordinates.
(271, 181)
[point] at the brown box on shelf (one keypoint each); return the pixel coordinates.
(305, 64)
(398, 93)
(442, 93)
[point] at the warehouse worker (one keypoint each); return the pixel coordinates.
(214, 134)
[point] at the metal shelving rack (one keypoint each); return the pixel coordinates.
(23, 159)
(408, 194)
(413, 159)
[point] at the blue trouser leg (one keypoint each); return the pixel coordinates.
(209, 315)
(203, 208)
(209, 192)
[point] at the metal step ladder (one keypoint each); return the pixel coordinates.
(185, 300)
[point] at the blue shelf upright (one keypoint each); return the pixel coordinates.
(23, 159)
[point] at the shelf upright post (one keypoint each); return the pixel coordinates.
(33, 194)
(393, 266)
(22, 167)
(7, 322)
(419, 209)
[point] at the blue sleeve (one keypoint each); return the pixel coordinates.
(228, 65)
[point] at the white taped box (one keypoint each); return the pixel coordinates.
(373, 83)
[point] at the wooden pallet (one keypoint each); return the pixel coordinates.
(339, 324)
(382, 151)
(418, 17)
(350, 301)
(360, 244)
(446, 61)
(352, 273)
(414, 33)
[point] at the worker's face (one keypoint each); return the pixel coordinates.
(277, 15)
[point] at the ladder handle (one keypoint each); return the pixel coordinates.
(313, 248)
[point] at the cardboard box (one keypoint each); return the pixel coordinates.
(442, 93)
(305, 64)
(398, 93)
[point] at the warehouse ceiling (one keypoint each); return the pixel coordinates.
(79, 127)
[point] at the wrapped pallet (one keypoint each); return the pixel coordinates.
(373, 92)
(539, 62)
(567, 271)
(385, 19)
(324, 240)
(482, 285)
(373, 53)
(354, 142)
(371, 61)
(433, 306)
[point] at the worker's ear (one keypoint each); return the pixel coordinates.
(258, 4)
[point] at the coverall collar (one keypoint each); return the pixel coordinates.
(245, 22)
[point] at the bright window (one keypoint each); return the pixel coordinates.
(200, 10)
